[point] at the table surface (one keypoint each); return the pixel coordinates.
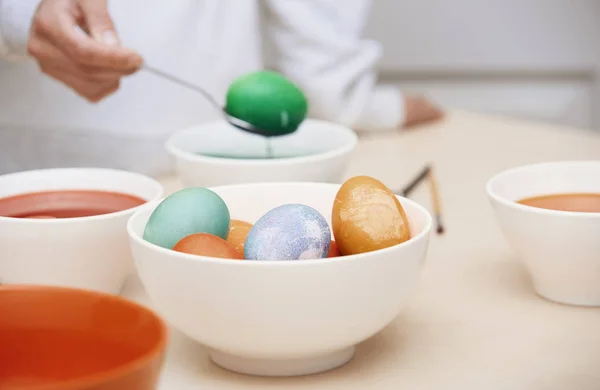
(474, 321)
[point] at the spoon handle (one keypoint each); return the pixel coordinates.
(169, 77)
(240, 124)
(184, 83)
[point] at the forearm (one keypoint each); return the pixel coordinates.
(15, 24)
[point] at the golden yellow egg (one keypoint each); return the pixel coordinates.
(238, 231)
(367, 216)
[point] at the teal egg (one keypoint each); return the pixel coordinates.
(189, 211)
(268, 101)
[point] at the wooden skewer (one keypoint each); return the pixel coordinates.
(435, 198)
(427, 173)
(416, 181)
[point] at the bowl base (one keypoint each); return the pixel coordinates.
(591, 300)
(274, 367)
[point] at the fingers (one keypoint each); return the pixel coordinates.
(98, 21)
(420, 110)
(84, 49)
(56, 21)
(74, 41)
(93, 91)
(50, 57)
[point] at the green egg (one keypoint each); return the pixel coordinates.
(189, 211)
(268, 101)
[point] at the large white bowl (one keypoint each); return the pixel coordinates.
(90, 252)
(281, 318)
(561, 250)
(322, 151)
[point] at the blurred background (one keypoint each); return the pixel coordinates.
(531, 59)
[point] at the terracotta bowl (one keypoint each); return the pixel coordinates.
(54, 338)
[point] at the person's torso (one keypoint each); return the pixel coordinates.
(207, 42)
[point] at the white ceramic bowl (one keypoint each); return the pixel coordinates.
(322, 151)
(90, 252)
(281, 318)
(561, 250)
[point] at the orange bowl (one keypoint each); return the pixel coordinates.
(54, 338)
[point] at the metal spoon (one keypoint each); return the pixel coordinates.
(240, 124)
(236, 122)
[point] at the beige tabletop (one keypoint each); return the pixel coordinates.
(474, 322)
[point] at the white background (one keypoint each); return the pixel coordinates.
(536, 59)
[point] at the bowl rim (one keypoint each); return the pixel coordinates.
(423, 234)
(110, 375)
(179, 153)
(159, 193)
(493, 195)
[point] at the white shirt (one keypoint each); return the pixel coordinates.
(208, 42)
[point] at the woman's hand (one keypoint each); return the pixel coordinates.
(75, 42)
(420, 110)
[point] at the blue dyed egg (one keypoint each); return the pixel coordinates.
(289, 232)
(189, 211)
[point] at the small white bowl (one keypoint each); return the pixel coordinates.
(561, 250)
(281, 318)
(89, 252)
(321, 152)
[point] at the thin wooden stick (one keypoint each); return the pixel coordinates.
(416, 181)
(435, 199)
(427, 173)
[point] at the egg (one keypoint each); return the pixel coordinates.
(238, 231)
(333, 250)
(268, 101)
(289, 232)
(204, 244)
(367, 216)
(189, 211)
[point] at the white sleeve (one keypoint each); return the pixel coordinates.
(319, 46)
(15, 23)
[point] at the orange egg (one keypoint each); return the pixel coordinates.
(367, 216)
(333, 250)
(204, 244)
(238, 231)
